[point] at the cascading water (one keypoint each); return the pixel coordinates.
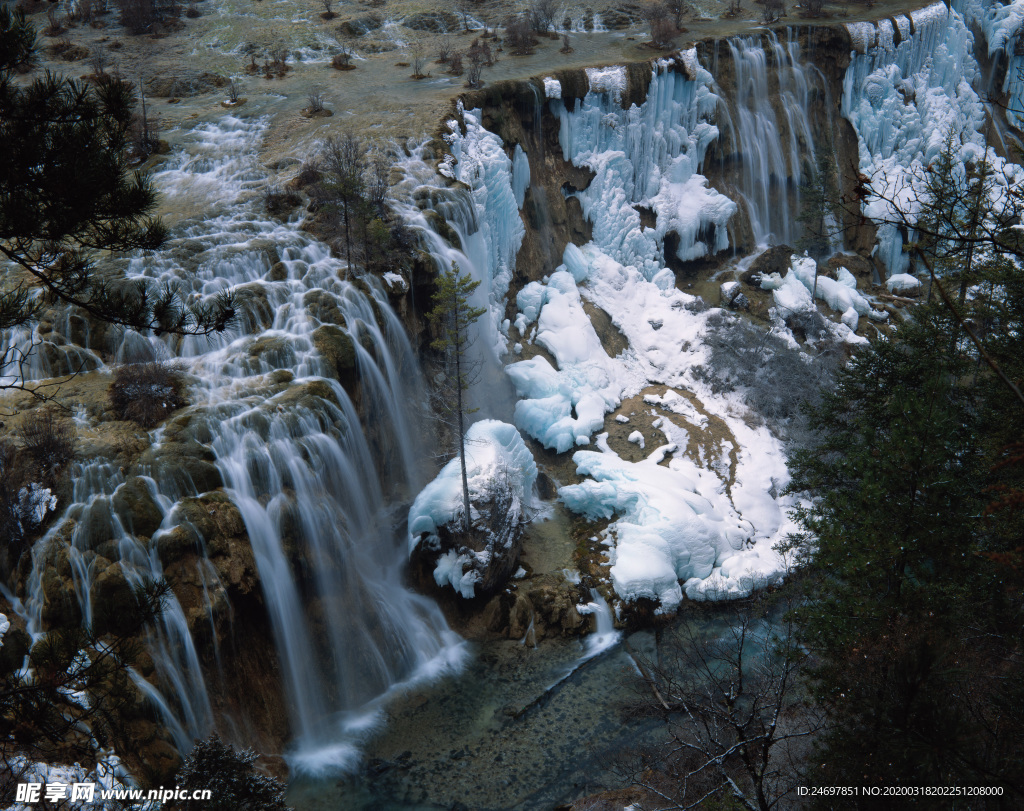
(320, 495)
(775, 152)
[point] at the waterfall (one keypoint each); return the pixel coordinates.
(765, 116)
(321, 494)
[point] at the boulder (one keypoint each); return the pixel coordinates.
(857, 265)
(435, 22)
(135, 506)
(358, 26)
(773, 260)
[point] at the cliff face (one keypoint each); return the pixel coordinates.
(817, 56)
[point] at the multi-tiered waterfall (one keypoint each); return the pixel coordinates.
(316, 485)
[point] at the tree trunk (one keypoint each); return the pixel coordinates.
(462, 434)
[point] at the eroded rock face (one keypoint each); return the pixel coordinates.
(226, 614)
(539, 607)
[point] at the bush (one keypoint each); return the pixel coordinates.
(519, 35)
(231, 777)
(146, 393)
(49, 441)
(776, 380)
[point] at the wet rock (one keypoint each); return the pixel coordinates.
(115, 608)
(136, 508)
(773, 260)
(278, 272)
(323, 306)
(857, 265)
(339, 350)
(358, 26)
(60, 606)
(435, 22)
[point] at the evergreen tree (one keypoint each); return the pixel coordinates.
(231, 778)
(452, 316)
(67, 195)
(905, 611)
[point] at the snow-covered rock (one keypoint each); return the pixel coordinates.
(501, 475)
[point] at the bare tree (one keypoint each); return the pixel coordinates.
(677, 9)
(344, 164)
(477, 59)
(662, 29)
(541, 15)
(418, 55)
(464, 7)
(733, 709)
(519, 35)
(315, 97)
(445, 50)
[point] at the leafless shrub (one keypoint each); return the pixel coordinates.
(445, 50)
(54, 24)
(328, 12)
(146, 393)
(519, 35)
(566, 47)
(677, 9)
(477, 56)
(814, 8)
(733, 706)
(418, 56)
(455, 64)
(773, 11)
(342, 60)
(99, 62)
(315, 97)
(309, 173)
(541, 15)
(233, 92)
(49, 440)
(656, 15)
(776, 380)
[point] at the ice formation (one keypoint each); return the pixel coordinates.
(492, 240)
(1001, 25)
(649, 156)
(903, 101)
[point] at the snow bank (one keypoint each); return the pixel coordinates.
(586, 382)
(552, 88)
(666, 530)
(902, 282)
(610, 80)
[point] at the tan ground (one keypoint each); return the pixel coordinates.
(379, 98)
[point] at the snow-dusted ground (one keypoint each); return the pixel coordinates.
(705, 524)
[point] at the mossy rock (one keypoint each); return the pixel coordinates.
(60, 605)
(136, 507)
(338, 349)
(323, 306)
(113, 599)
(358, 26)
